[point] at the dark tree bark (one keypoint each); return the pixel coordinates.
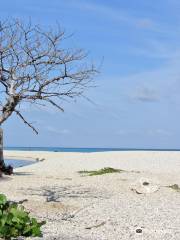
(8, 170)
(1, 150)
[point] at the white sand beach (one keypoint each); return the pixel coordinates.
(106, 207)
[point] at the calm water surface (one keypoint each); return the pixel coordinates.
(18, 163)
(82, 150)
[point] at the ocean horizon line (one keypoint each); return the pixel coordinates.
(85, 149)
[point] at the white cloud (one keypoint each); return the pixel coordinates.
(140, 132)
(157, 49)
(58, 131)
(118, 15)
(145, 94)
(122, 15)
(160, 132)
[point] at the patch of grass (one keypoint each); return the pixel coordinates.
(175, 187)
(101, 171)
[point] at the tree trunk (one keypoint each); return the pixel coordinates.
(1, 148)
(1, 152)
(8, 170)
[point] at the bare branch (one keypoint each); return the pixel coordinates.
(24, 120)
(35, 67)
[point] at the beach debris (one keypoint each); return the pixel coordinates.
(145, 186)
(138, 230)
(19, 202)
(100, 171)
(174, 187)
(96, 226)
(22, 201)
(133, 171)
(40, 159)
(145, 183)
(136, 191)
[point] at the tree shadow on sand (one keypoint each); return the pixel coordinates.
(22, 174)
(58, 194)
(5, 178)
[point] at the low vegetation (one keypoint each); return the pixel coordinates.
(101, 171)
(175, 187)
(15, 221)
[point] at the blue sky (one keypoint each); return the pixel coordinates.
(137, 101)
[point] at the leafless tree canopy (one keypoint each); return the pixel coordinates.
(35, 68)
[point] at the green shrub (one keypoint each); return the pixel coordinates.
(15, 221)
(101, 171)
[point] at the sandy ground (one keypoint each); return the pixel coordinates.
(107, 207)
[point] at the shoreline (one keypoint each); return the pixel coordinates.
(73, 204)
(150, 161)
(88, 150)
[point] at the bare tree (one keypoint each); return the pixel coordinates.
(35, 68)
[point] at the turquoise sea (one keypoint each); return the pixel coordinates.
(62, 149)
